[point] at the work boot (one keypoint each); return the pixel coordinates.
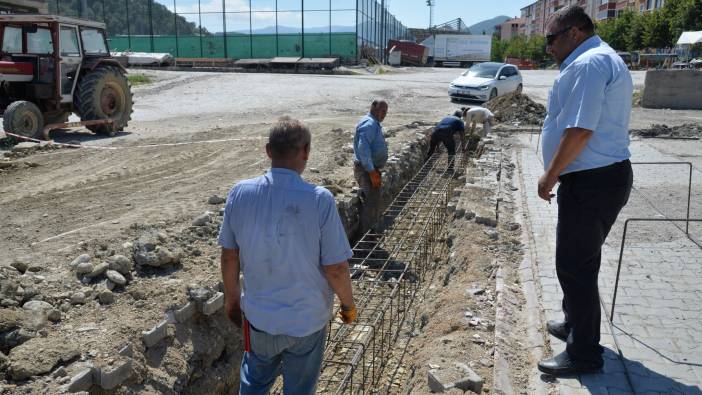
(562, 365)
(559, 329)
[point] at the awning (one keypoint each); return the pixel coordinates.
(690, 38)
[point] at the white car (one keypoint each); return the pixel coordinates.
(486, 81)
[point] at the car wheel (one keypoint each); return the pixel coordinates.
(519, 88)
(493, 94)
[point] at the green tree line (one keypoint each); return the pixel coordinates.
(631, 31)
(127, 16)
(522, 47)
(660, 28)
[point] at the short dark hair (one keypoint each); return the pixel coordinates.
(573, 16)
(288, 137)
(458, 113)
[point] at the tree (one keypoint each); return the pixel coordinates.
(656, 31)
(517, 47)
(536, 49)
(498, 49)
(683, 15)
(634, 37)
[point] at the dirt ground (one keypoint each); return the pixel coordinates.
(193, 135)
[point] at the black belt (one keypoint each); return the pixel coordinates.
(595, 171)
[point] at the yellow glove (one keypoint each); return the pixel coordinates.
(347, 314)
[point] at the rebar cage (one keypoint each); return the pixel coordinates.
(387, 271)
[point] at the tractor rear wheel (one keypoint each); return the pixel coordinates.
(104, 93)
(23, 118)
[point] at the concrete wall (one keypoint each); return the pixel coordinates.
(675, 89)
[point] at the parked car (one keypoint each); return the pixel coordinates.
(486, 81)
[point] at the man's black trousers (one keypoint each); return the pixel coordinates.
(589, 202)
(445, 137)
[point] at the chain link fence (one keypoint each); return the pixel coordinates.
(243, 29)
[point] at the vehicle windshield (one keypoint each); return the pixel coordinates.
(482, 70)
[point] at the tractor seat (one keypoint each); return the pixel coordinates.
(16, 71)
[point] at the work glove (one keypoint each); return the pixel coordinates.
(347, 314)
(375, 178)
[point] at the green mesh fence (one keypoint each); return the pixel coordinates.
(244, 46)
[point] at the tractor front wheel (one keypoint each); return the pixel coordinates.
(23, 118)
(104, 93)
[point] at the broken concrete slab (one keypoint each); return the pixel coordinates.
(82, 381)
(185, 313)
(155, 335)
(112, 376)
(214, 304)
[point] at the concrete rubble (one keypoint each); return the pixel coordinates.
(685, 131)
(516, 108)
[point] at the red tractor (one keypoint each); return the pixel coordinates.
(52, 66)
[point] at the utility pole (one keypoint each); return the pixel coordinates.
(431, 4)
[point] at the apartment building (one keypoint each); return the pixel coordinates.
(536, 14)
(511, 28)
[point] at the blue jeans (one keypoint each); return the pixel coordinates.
(299, 359)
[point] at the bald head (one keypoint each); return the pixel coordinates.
(379, 109)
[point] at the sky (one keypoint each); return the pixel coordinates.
(415, 13)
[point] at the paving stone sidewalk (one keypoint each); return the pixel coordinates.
(657, 323)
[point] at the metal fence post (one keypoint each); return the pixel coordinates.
(151, 24)
(199, 18)
(129, 30)
(175, 27)
(224, 28)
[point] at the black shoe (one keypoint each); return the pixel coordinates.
(562, 365)
(558, 329)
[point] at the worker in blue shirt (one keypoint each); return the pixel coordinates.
(585, 146)
(444, 132)
(286, 236)
(370, 154)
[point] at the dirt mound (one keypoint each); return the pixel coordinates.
(517, 108)
(688, 130)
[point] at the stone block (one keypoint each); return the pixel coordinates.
(185, 313)
(81, 381)
(214, 304)
(112, 376)
(470, 381)
(155, 335)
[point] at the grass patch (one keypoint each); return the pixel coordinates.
(138, 79)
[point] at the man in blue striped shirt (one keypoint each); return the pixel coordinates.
(370, 154)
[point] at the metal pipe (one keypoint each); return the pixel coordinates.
(621, 249)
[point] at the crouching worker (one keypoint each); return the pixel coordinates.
(475, 115)
(286, 236)
(444, 132)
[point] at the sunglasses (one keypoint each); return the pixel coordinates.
(550, 38)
